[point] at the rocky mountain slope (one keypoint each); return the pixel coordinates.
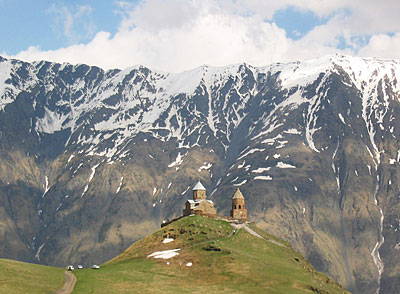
(92, 160)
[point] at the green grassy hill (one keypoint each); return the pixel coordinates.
(213, 257)
(21, 278)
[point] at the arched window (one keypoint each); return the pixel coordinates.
(234, 206)
(240, 207)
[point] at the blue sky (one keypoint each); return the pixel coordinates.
(24, 23)
(297, 22)
(175, 35)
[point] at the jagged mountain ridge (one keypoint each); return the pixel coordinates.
(106, 155)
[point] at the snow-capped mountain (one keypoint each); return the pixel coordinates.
(92, 160)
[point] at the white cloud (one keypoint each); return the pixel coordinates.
(72, 23)
(382, 45)
(176, 35)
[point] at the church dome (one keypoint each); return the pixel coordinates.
(199, 186)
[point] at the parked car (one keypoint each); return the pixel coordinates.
(80, 266)
(95, 266)
(70, 268)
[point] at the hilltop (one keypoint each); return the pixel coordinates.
(198, 255)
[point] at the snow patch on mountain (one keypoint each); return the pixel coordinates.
(205, 166)
(261, 170)
(51, 122)
(178, 161)
(5, 74)
(302, 74)
(263, 178)
(281, 164)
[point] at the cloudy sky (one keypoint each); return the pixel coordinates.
(176, 35)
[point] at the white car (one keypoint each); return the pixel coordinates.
(70, 268)
(95, 266)
(80, 266)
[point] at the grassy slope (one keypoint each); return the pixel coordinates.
(245, 264)
(21, 278)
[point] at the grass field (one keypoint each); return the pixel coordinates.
(224, 260)
(213, 258)
(22, 278)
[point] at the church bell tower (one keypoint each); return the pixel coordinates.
(238, 211)
(199, 192)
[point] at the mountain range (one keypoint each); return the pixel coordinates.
(92, 160)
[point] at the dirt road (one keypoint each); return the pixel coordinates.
(69, 285)
(250, 231)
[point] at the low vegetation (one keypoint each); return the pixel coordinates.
(21, 278)
(213, 258)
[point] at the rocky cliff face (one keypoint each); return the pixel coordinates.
(92, 160)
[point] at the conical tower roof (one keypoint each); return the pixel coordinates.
(198, 186)
(238, 194)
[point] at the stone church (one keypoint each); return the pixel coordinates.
(200, 205)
